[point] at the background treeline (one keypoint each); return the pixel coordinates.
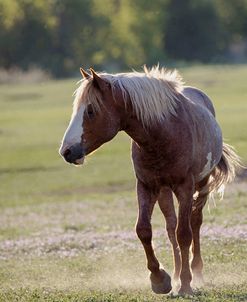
(60, 35)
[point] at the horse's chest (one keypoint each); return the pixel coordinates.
(156, 171)
(161, 164)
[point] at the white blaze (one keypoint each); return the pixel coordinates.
(74, 131)
(207, 167)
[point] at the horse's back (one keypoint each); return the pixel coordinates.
(198, 96)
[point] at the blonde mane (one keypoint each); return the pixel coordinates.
(153, 93)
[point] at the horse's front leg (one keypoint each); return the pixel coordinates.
(184, 193)
(160, 280)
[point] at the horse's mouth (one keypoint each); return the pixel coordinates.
(79, 161)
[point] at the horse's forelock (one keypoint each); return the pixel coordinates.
(87, 93)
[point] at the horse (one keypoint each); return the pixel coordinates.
(177, 149)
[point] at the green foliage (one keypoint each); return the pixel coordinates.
(132, 35)
(193, 30)
(61, 35)
(228, 294)
(233, 17)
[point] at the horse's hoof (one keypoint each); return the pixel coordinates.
(163, 287)
(185, 291)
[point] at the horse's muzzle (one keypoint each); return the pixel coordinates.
(74, 154)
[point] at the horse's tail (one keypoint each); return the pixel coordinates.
(225, 171)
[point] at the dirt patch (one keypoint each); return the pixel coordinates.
(68, 244)
(72, 243)
(70, 228)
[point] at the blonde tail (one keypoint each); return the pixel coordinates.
(225, 171)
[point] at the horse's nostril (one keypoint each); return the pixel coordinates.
(66, 153)
(73, 153)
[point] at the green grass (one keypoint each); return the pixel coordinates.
(123, 296)
(67, 234)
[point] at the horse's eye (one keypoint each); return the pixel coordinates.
(90, 111)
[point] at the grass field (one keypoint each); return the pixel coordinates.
(67, 234)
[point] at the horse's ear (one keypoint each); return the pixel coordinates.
(101, 83)
(84, 74)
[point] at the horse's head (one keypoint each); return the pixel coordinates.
(95, 119)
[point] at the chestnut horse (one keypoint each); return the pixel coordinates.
(176, 148)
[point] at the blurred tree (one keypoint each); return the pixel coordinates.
(149, 28)
(131, 35)
(72, 35)
(193, 30)
(118, 44)
(61, 35)
(233, 17)
(26, 35)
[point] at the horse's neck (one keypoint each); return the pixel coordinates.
(146, 137)
(137, 132)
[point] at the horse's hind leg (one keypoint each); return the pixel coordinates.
(166, 204)
(196, 222)
(184, 193)
(160, 280)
